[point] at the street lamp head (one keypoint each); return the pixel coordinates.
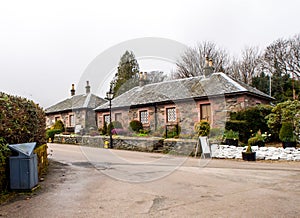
(109, 95)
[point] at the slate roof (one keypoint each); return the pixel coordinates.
(83, 101)
(189, 88)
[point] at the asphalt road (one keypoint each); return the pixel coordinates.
(94, 182)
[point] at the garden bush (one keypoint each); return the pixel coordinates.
(51, 132)
(202, 128)
(288, 111)
(21, 120)
(249, 120)
(286, 133)
(114, 125)
(59, 125)
(136, 125)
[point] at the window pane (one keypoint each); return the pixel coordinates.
(72, 120)
(106, 119)
(144, 117)
(171, 114)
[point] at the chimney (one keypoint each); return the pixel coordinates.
(87, 88)
(73, 90)
(208, 68)
(142, 79)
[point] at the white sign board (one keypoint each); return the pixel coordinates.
(77, 128)
(205, 146)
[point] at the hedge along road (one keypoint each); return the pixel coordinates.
(77, 187)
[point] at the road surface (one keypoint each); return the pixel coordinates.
(94, 182)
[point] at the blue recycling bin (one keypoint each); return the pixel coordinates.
(23, 166)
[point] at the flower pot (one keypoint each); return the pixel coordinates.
(249, 156)
(288, 144)
(233, 142)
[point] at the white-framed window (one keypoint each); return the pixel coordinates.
(144, 117)
(171, 114)
(106, 119)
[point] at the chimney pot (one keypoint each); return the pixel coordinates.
(73, 90)
(87, 88)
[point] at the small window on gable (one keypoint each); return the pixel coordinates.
(171, 114)
(144, 117)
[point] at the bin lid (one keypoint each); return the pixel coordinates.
(24, 148)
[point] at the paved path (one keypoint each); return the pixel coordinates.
(93, 182)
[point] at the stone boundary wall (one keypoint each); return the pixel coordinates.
(145, 144)
(179, 147)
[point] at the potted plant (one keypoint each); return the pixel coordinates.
(231, 137)
(286, 135)
(249, 155)
(259, 139)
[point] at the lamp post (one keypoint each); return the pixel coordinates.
(109, 96)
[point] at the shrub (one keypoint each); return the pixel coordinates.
(202, 128)
(59, 125)
(250, 119)
(286, 133)
(21, 120)
(136, 125)
(287, 111)
(4, 154)
(118, 131)
(103, 131)
(114, 125)
(51, 132)
(230, 134)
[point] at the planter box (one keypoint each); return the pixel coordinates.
(249, 156)
(289, 144)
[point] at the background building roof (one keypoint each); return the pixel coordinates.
(195, 87)
(83, 101)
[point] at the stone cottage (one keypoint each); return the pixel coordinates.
(182, 102)
(75, 111)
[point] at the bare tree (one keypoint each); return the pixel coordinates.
(275, 57)
(192, 61)
(156, 77)
(247, 67)
(293, 61)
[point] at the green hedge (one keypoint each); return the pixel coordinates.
(21, 120)
(249, 121)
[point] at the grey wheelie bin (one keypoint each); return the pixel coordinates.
(23, 166)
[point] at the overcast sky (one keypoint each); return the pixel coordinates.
(45, 46)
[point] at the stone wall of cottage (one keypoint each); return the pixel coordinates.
(187, 113)
(85, 118)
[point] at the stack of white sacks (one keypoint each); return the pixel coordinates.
(262, 153)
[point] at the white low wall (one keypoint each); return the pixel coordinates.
(262, 153)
